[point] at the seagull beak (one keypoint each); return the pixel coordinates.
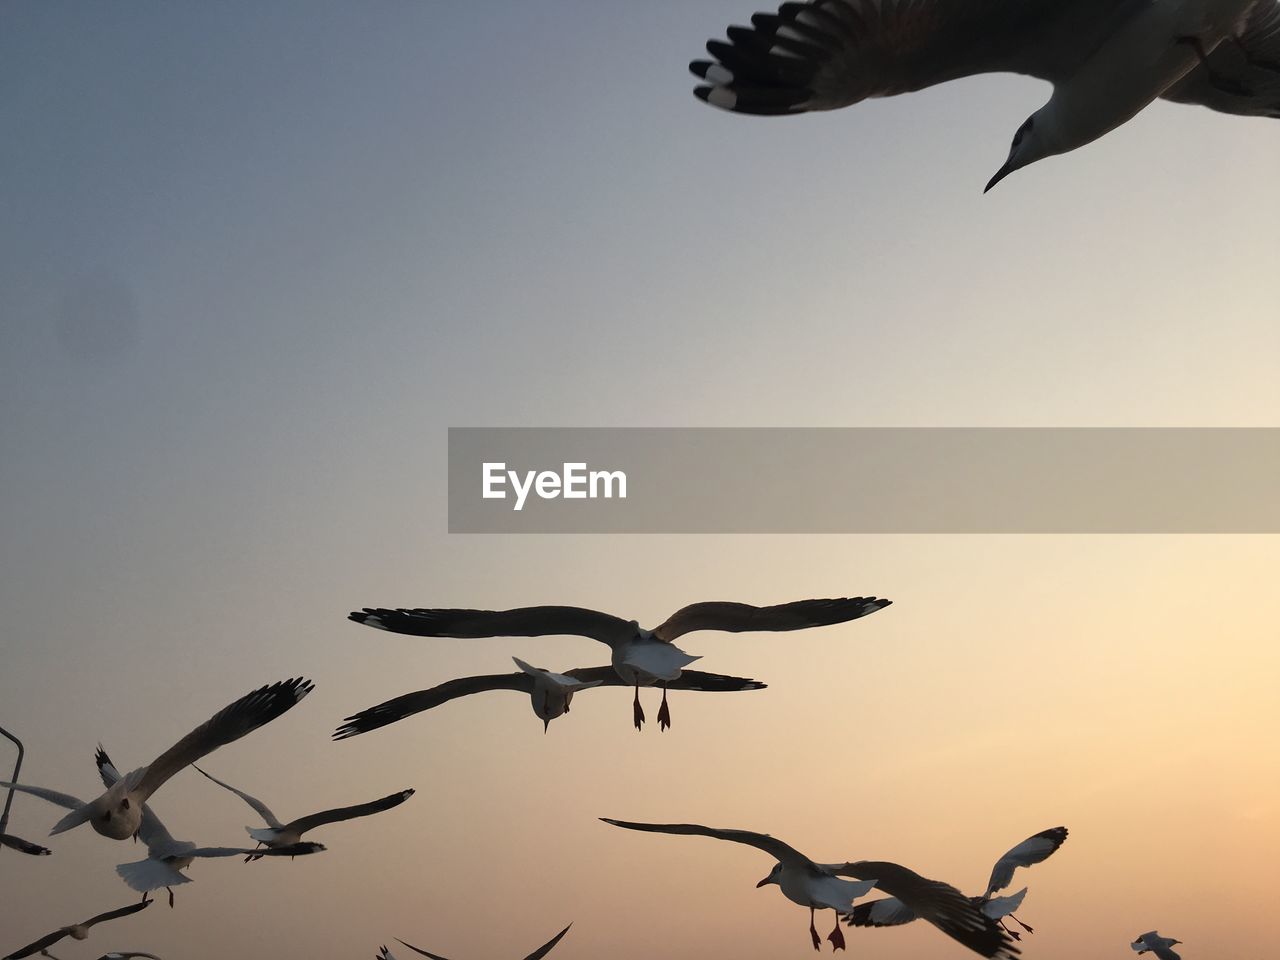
(762, 883)
(546, 725)
(1000, 175)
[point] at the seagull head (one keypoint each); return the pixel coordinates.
(775, 876)
(1030, 144)
(120, 821)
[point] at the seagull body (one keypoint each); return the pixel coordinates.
(823, 886)
(166, 857)
(1152, 942)
(118, 812)
(550, 693)
(76, 931)
(1107, 59)
(276, 835)
(538, 954)
(639, 657)
(891, 912)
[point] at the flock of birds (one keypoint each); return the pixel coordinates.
(1107, 61)
(638, 658)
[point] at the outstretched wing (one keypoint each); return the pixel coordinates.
(740, 617)
(1242, 75)
(117, 913)
(543, 950)
(761, 841)
(53, 796)
(940, 904)
(23, 846)
(826, 54)
(425, 953)
(228, 724)
(262, 809)
(293, 850)
(520, 622)
(1031, 850)
(712, 682)
(33, 948)
(303, 824)
(887, 912)
(411, 703)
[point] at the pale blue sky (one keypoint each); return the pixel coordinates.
(256, 258)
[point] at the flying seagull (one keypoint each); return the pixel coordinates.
(1106, 59)
(118, 812)
(891, 912)
(276, 835)
(1162, 947)
(167, 857)
(640, 657)
(77, 931)
(128, 955)
(820, 886)
(550, 693)
(538, 954)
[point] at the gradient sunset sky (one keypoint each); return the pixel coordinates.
(255, 259)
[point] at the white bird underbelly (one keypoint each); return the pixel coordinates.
(1147, 54)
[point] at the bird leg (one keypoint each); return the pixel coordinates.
(1005, 927)
(813, 931)
(637, 712)
(251, 856)
(1021, 924)
(664, 714)
(836, 936)
(170, 889)
(1217, 81)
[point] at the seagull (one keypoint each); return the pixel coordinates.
(550, 693)
(77, 931)
(1106, 59)
(1162, 947)
(820, 886)
(891, 912)
(118, 812)
(167, 857)
(640, 657)
(538, 954)
(276, 835)
(128, 955)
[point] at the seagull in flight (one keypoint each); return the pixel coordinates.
(276, 835)
(538, 954)
(1106, 59)
(128, 955)
(118, 812)
(77, 931)
(820, 886)
(1152, 942)
(640, 657)
(892, 912)
(167, 857)
(549, 693)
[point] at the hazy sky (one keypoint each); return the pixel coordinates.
(256, 258)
